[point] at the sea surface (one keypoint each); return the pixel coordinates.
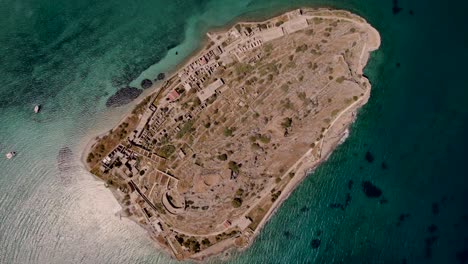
(410, 141)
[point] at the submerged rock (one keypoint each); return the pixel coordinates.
(369, 157)
(432, 228)
(435, 208)
(287, 234)
(161, 76)
(64, 159)
(348, 199)
(350, 184)
(370, 190)
(428, 248)
(384, 165)
(462, 256)
(336, 205)
(396, 9)
(146, 83)
(383, 200)
(403, 217)
(123, 96)
(315, 243)
(65, 164)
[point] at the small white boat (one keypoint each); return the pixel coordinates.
(37, 108)
(10, 154)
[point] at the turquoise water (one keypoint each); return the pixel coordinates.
(71, 56)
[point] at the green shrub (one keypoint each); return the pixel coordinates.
(236, 202)
(166, 151)
(287, 122)
(340, 79)
(264, 139)
(233, 166)
(90, 157)
(223, 157)
(187, 127)
(228, 131)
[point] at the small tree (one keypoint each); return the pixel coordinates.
(233, 166)
(223, 157)
(90, 157)
(287, 122)
(236, 202)
(206, 242)
(228, 131)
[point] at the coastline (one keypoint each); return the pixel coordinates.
(303, 170)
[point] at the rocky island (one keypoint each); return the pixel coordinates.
(203, 162)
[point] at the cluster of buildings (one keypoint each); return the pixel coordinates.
(123, 160)
(164, 119)
(197, 72)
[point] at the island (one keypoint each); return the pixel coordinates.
(204, 161)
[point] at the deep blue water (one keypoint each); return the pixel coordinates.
(72, 56)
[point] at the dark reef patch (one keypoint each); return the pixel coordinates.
(160, 77)
(370, 190)
(123, 96)
(304, 209)
(342, 206)
(462, 256)
(396, 9)
(384, 165)
(398, 65)
(428, 246)
(287, 234)
(383, 200)
(444, 200)
(402, 218)
(369, 157)
(435, 208)
(411, 12)
(64, 159)
(315, 243)
(336, 206)
(348, 199)
(350, 184)
(65, 164)
(146, 83)
(432, 228)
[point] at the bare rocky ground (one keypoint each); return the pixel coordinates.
(215, 172)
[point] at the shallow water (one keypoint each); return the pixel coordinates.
(71, 57)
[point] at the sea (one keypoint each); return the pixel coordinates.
(394, 192)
